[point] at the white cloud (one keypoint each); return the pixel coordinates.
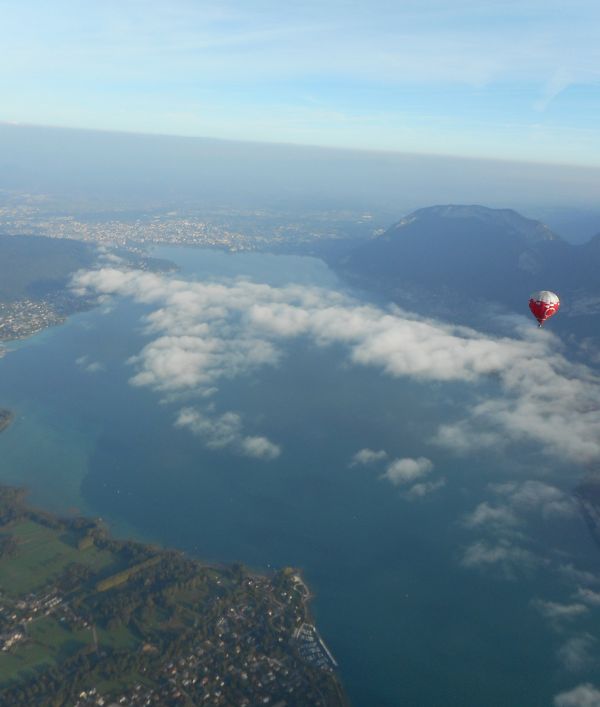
(569, 571)
(260, 447)
(95, 367)
(515, 502)
(366, 457)
(556, 611)
(589, 596)
(402, 472)
(584, 695)
(205, 332)
(106, 256)
(530, 495)
(226, 431)
(519, 499)
(485, 515)
(219, 432)
(504, 523)
(90, 366)
(424, 489)
(407, 470)
(503, 554)
(576, 654)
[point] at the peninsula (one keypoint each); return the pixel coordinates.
(86, 619)
(35, 277)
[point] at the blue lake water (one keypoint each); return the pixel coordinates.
(408, 624)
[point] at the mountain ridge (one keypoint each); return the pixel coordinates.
(531, 229)
(455, 253)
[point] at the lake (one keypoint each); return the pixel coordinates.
(408, 623)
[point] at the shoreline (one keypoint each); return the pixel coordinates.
(221, 611)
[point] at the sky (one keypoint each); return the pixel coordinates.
(477, 78)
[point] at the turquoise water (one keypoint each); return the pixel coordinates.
(408, 624)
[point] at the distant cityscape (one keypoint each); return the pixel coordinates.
(231, 229)
(24, 214)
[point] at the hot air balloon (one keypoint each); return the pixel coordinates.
(543, 305)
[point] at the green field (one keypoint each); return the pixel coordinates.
(49, 644)
(43, 553)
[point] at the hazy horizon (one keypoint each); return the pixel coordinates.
(141, 170)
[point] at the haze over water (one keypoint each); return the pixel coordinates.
(408, 623)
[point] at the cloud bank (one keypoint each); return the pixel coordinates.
(205, 332)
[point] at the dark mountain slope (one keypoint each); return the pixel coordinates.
(461, 253)
(33, 266)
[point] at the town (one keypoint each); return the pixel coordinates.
(119, 237)
(115, 622)
(26, 317)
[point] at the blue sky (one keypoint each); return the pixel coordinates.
(477, 78)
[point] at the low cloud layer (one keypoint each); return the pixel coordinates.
(204, 332)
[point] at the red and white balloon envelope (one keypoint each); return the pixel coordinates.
(543, 305)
